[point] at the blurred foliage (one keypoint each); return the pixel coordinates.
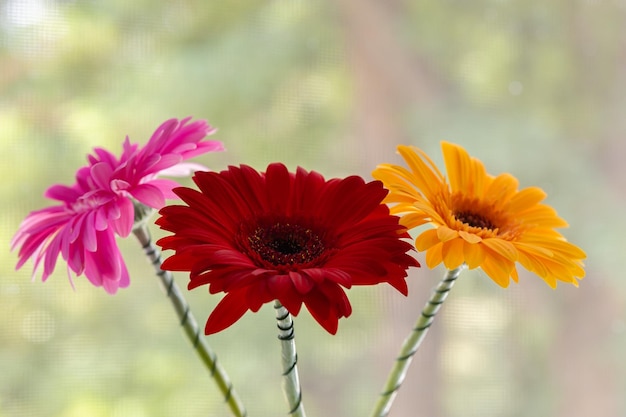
(529, 87)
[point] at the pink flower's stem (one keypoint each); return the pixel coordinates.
(291, 381)
(413, 341)
(189, 323)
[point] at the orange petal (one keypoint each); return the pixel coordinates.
(542, 216)
(532, 263)
(445, 233)
(428, 210)
(499, 269)
(559, 271)
(479, 178)
(503, 187)
(502, 247)
(557, 246)
(532, 249)
(411, 220)
(576, 270)
(433, 256)
(551, 268)
(526, 198)
(426, 240)
(474, 254)
(452, 253)
(401, 208)
(458, 166)
(426, 177)
(398, 180)
(470, 237)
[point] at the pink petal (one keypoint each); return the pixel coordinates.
(101, 174)
(102, 155)
(125, 277)
(51, 256)
(111, 285)
(72, 251)
(74, 255)
(89, 232)
(92, 273)
(31, 244)
(62, 193)
(118, 185)
(183, 169)
(83, 179)
(165, 186)
(106, 263)
(101, 221)
(166, 161)
(113, 210)
(160, 135)
(128, 150)
(123, 224)
(40, 222)
(75, 227)
(149, 195)
(204, 147)
(149, 162)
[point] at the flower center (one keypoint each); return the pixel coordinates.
(474, 220)
(482, 218)
(284, 243)
(90, 201)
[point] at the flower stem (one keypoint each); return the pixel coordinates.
(189, 323)
(291, 382)
(412, 342)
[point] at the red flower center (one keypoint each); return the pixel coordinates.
(282, 243)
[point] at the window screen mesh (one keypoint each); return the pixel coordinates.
(533, 88)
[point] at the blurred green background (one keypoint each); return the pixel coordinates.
(530, 87)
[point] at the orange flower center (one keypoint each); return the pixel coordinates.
(482, 218)
(474, 220)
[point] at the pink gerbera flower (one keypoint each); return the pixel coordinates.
(101, 204)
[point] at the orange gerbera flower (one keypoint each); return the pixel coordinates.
(480, 220)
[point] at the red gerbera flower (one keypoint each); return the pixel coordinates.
(291, 237)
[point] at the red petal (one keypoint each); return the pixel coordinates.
(228, 311)
(302, 283)
(278, 185)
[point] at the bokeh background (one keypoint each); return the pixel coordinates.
(534, 88)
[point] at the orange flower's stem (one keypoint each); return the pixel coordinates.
(189, 323)
(412, 343)
(291, 382)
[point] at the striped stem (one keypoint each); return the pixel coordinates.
(412, 343)
(291, 382)
(189, 323)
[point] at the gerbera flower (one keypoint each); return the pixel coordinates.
(100, 204)
(480, 220)
(291, 237)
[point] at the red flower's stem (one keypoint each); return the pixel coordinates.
(189, 323)
(412, 343)
(291, 382)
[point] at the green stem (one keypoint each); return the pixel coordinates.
(291, 382)
(412, 343)
(189, 323)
